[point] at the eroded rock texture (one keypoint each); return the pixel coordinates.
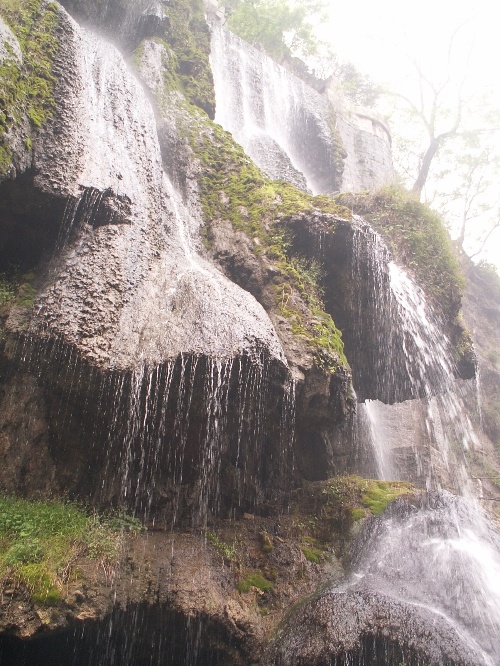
(192, 381)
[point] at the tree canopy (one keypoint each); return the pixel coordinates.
(283, 28)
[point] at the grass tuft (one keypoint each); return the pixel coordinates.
(40, 542)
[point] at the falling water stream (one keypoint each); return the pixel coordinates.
(175, 424)
(442, 556)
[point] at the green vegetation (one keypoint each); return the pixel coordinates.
(26, 89)
(40, 542)
(255, 580)
(229, 552)
(17, 289)
(378, 495)
(234, 189)
(357, 514)
(326, 510)
(280, 27)
(187, 39)
(8, 288)
(418, 239)
(314, 555)
(374, 495)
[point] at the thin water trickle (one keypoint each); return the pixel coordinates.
(378, 437)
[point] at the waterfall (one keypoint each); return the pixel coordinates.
(289, 129)
(286, 127)
(442, 555)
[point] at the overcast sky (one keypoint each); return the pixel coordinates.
(375, 36)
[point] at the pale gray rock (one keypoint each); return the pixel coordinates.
(128, 287)
(9, 46)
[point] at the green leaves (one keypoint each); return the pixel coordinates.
(281, 27)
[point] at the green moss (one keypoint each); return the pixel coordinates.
(255, 580)
(418, 239)
(313, 555)
(188, 40)
(40, 541)
(350, 493)
(358, 514)
(379, 494)
(234, 189)
(41, 583)
(26, 89)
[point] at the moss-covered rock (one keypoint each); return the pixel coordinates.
(233, 189)
(26, 86)
(417, 237)
(188, 36)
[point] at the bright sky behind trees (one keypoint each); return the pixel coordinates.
(382, 39)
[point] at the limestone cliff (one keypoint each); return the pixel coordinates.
(183, 336)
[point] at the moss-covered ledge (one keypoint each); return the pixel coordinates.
(233, 190)
(418, 239)
(185, 41)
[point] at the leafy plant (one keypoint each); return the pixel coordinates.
(280, 27)
(228, 551)
(7, 288)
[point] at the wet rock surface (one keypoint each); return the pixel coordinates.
(368, 628)
(142, 369)
(172, 597)
(414, 594)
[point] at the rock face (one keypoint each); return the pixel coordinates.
(289, 129)
(125, 306)
(169, 346)
(395, 608)
(126, 325)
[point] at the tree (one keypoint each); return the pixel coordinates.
(283, 28)
(437, 109)
(439, 122)
(286, 30)
(468, 195)
(445, 135)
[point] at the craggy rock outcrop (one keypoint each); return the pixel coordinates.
(119, 304)
(396, 608)
(482, 315)
(171, 348)
(342, 628)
